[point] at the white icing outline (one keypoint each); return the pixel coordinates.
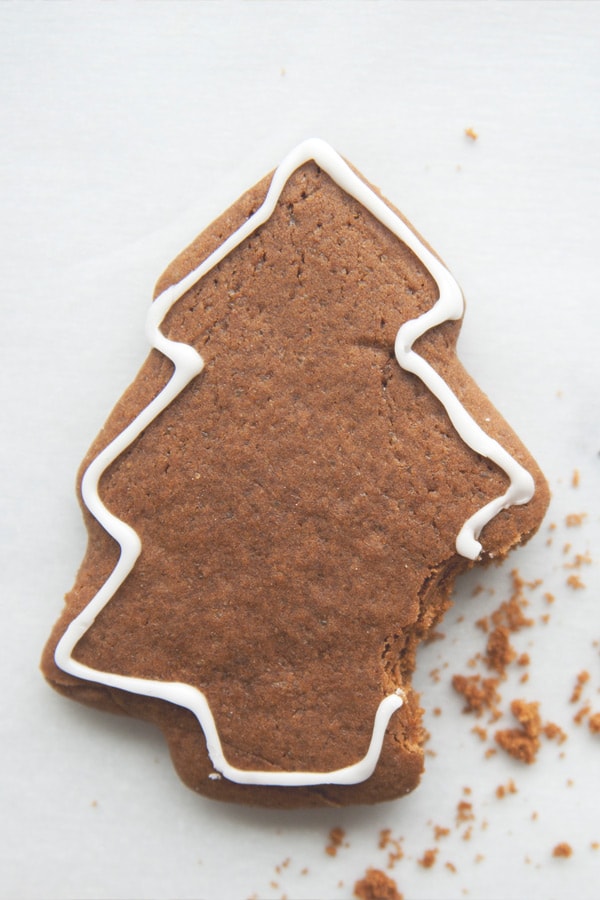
(187, 364)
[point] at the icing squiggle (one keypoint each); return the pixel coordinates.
(187, 365)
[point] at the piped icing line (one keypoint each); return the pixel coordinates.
(188, 363)
(521, 487)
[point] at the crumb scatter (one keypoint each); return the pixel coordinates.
(504, 789)
(336, 840)
(376, 885)
(393, 845)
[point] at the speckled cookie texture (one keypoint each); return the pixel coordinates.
(297, 504)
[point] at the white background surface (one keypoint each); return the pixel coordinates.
(125, 129)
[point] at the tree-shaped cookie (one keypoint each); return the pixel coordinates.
(279, 504)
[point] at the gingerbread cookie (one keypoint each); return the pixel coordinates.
(279, 504)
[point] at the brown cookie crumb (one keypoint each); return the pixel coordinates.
(563, 850)
(582, 678)
(554, 732)
(594, 723)
(511, 613)
(499, 651)
(579, 560)
(428, 859)
(575, 519)
(376, 885)
(522, 743)
(386, 840)
(471, 134)
(336, 839)
(464, 812)
(480, 732)
(503, 789)
(581, 714)
(479, 693)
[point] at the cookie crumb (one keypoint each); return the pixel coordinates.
(510, 613)
(427, 861)
(376, 885)
(594, 723)
(464, 812)
(579, 560)
(522, 743)
(503, 789)
(582, 678)
(554, 732)
(575, 479)
(386, 840)
(562, 850)
(471, 134)
(575, 582)
(479, 693)
(499, 651)
(575, 519)
(480, 732)
(581, 714)
(336, 839)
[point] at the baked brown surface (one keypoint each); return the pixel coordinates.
(298, 504)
